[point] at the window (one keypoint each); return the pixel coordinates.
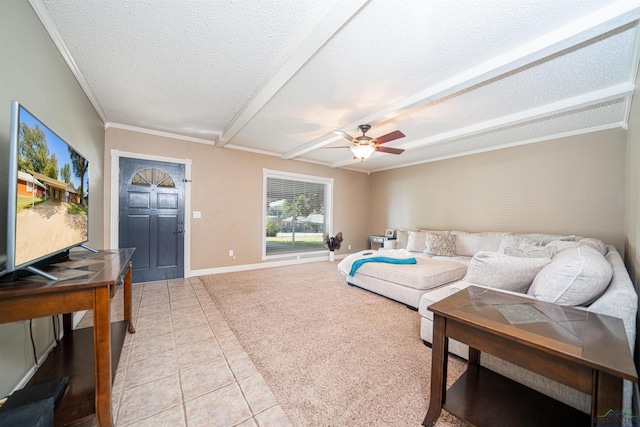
(148, 177)
(29, 187)
(297, 213)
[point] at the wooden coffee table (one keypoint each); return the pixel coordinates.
(585, 351)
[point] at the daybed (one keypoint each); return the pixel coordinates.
(567, 270)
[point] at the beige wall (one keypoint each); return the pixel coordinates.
(227, 188)
(34, 73)
(632, 212)
(573, 185)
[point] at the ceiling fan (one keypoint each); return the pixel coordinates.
(364, 146)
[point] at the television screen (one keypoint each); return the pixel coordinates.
(48, 201)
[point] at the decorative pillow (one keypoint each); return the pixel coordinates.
(515, 241)
(504, 271)
(546, 238)
(440, 244)
(417, 241)
(561, 245)
(402, 238)
(594, 243)
(532, 251)
(468, 244)
(575, 277)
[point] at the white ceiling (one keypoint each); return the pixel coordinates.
(279, 76)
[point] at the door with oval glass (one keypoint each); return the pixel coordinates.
(151, 217)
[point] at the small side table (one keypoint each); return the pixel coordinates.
(582, 350)
(376, 239)
(379, 239)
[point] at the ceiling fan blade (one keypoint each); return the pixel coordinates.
(390, 150)
(344, 135)
(340, 146)
(396, 134)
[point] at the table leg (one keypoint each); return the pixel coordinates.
(607, 394)
(127, 302)
(102, 355)
(474, 357)
(439, 359)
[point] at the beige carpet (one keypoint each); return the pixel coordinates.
(333, 355)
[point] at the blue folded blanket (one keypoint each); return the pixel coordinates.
(358, 263)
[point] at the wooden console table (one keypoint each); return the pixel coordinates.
(583, 350)
(91, 288)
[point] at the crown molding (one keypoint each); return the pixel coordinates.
(47, 21)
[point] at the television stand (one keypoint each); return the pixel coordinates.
(39, 272)
(89, 248)
(33, 297)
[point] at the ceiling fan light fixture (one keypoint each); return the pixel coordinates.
(362, 152)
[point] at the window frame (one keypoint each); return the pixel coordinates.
(328, 209)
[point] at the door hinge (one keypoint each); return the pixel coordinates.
(186, 180)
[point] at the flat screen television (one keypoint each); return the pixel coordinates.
(48, 201)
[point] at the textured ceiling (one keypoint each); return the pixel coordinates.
(279, 76)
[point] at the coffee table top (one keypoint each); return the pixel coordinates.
(592, 339)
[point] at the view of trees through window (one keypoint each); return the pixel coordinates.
(295, 215)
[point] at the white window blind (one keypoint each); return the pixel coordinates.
(295, 213)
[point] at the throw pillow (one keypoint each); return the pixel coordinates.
(561, 245)
(440, 244)
(468, 244)
(595, 244)
(417, 241)
(546, 238)
(575, 277)
(402, 238)
(504, 271)
(515, 241)
(531, 251)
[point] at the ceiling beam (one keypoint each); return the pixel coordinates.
(161, 133)
(305, 47)
(566, 105)
(600, 22)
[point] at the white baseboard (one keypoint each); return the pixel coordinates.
(23, 382)
(256, 266)
(77, 317)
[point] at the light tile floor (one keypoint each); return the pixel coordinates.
(184, 366)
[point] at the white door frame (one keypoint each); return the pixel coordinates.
(115, 199)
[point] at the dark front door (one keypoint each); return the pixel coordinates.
(151, 217)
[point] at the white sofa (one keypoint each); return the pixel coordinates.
(569, 270)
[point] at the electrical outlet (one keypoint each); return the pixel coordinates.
(230, 252)
(197, 214)
(349, 247)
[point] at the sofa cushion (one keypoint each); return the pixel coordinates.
(435, 295)
(515, 241)
(501, 271)
(561, 245)
(440, 244)
(402, 238)
(457, 258)
(575, 277)
(531, 251)
(596, 244)
(417, 241)
(547, 238)
(468, 244)
(425, 274)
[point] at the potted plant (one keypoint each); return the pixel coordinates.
(332, 243)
